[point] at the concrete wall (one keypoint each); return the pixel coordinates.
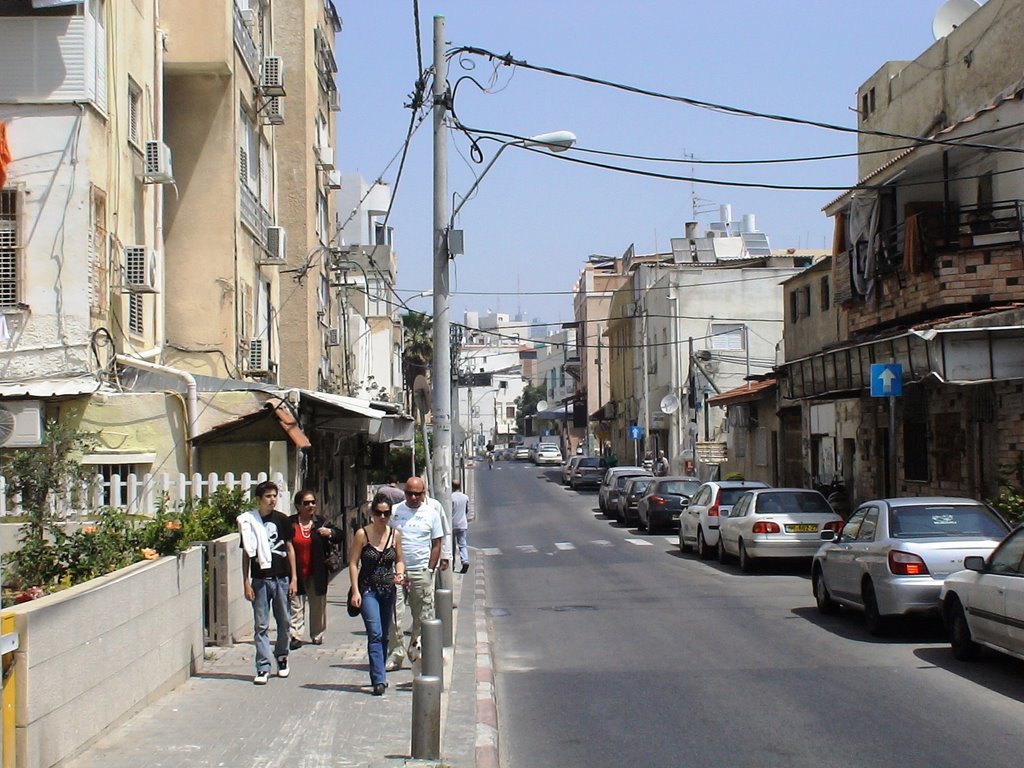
(231, 614)
(92, 655)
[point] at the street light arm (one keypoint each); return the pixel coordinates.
(472, 189)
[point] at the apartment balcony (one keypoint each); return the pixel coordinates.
(254, 216)
(212, 52)
(52, 59)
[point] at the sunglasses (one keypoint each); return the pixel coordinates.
(382, 512)
(308, 502)
(414, 493)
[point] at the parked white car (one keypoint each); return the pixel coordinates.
(698, 523)
(984, 605)
(547, 453)
(775, 522)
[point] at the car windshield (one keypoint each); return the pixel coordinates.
(960, 521)
(590, 461)
(728, 496)
(777, 502)
(621, 480)
(679, 487)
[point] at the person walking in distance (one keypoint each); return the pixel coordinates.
(312, 539)
(268, 577)
(422, 532)
(661, 465)
(376, 564)
(460, 523)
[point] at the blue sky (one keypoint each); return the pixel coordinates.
(535, 219)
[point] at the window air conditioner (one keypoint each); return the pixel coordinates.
(272, 76)
(257, 357)
(157, 163)
(273, 111)
(21, 424)
(333, 180)
(275, 254)
(333, 337)
(140, 269)
(325, 157)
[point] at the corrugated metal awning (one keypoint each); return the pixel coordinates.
(53, 387)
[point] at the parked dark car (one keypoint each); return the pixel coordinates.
(587, 473)
(664, 501)
(634, 490)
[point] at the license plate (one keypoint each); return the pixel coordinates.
(802, 528)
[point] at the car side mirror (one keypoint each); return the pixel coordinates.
(974, 563)
(828, 535)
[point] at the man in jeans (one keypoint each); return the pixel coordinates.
(268, 577)
(460, 522)
(422, 532)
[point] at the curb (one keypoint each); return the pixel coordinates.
(486, 747)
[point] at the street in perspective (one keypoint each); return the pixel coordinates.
(690, 431)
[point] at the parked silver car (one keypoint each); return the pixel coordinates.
(698, 524)
(984, 604)
(893, 555)
(608, 492)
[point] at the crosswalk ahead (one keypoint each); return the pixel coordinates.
(564, 546)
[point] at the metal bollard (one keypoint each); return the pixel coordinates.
(432, 661)
(443, 610)
(426, 717)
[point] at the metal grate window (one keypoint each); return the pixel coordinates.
(134, 113)
(135, 324)
(8, 248)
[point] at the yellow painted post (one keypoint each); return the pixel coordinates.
(7, 696)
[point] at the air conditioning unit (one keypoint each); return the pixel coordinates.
(275, 254)
(140, 269)
(272, 76)
(325, 157)
(257, 358)
(333, 337)
(273, 111)
(333, 180)
(157, 163)
(21, 424)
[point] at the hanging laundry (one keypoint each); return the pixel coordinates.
(5, 154)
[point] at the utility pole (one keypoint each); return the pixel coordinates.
(441, 475)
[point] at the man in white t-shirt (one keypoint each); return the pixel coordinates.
(422, 534)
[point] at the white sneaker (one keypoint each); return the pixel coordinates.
(414, 651)
(261, 677)
(393, 665)
(282, 666)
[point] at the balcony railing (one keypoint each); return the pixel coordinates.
(254, 215)
(245, 45)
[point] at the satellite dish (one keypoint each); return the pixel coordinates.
(542, 405)
(951, 15)
(669, 404)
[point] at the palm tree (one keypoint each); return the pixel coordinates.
(418, 353)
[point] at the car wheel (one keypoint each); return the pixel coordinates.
(723, 556)
(873, 620)
(703, 550)
(964, 647)
(746, 561)
(826, 605)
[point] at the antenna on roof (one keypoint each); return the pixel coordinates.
(951, 15)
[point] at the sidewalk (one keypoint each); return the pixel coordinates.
(323, 714)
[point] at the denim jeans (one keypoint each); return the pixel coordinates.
(270, 594)
(377, 610)
(460, 542)
(420, 600)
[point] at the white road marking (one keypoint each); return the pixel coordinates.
(639, 542)
(528, 549)
(564, 545)
(601, 543)
(491, 551)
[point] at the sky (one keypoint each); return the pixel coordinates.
(535, 218)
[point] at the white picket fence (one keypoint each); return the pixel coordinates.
(139, 495)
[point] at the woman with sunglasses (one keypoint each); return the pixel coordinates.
(314, 536)
(376, 565)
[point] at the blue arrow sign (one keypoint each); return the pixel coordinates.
(636, 433)
(886, 380)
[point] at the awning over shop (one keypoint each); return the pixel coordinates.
(754, 390)
(266, 424)
(968, 349)
(53, 387)
(352, 415)
(558, 413)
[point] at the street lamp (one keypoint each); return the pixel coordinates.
(558, 141)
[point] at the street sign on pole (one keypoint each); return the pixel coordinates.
(886, 380)
(636, 433)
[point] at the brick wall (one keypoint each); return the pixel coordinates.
(979, 277)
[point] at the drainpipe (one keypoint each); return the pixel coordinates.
(191, 398)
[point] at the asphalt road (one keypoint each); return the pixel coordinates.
(614, 649)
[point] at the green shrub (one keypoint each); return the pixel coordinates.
(1010, 501)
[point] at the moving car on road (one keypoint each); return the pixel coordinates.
(893, 555)
(547, 453)
(522, 453)
(984, 605)
(587, 473)
(664, 502)
(608, 493)
(775, 522)
(698, 525)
